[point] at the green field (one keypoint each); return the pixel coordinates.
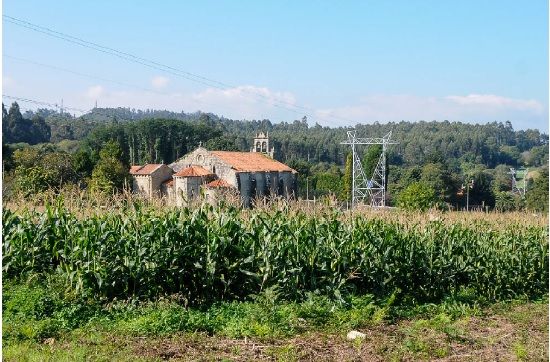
(272, 276)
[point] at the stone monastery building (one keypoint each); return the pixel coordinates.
(252, 175)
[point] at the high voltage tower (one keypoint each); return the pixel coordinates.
(516, 186)
(362, 187)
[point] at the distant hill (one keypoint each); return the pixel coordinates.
(420, 142)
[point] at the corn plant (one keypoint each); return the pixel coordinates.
(210, 254)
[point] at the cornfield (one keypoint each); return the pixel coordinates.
(210, 254)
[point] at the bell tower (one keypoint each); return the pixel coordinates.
(261, 144)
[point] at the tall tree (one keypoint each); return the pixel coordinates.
(537, 196)
(16, 128)
(109, 173)
(437, 176)
(370, 159)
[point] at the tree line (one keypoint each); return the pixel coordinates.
(435, 157)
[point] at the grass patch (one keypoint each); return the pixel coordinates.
(41, 321)
(412, 339)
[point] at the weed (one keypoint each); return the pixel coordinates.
(520, 351)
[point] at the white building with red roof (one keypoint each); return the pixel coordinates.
(250, 174)
(148, 179)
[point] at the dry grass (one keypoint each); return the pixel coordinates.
(517, 334)
(83, 203)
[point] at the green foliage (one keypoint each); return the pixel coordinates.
(401, 178)
(7, 157)
(442, 152)
(504, 201)
(420, 142)
(536, 156)
(37, 170)
(348, 177)
(83, 163)
(39, 309)
(154, 140)
(439, 179)
(482, 192)
(34, 312)
(502, 180)
(304, 181)
(370, 159)
(250, 319)
(417, 196)
(221, 143)
(15, 128)
(109, 174)
(510, 155)
(328, 182)
(207, 255)
(537, 196)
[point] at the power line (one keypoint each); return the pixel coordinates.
(100, 47)
(145, 62)
(41, 103)
(136, 59)
(93, 76)
(158, 66)
(83, 74)
(53, 105)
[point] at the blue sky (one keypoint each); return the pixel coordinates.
(338, 62)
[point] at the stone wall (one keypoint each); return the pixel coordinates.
(160, 175)
(167, 191)
(187, 189)
(249, 184)
(150, 185)
(142, 185)
(201, 157)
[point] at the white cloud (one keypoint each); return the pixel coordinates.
(491, 100)
(246, 101)
(470, 108)
(242, 102)
(95, 92)
(159, 82)
(253, 102)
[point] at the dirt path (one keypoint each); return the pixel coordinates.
(519, 334)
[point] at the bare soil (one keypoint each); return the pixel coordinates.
(519, 334)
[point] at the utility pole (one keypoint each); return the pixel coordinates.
(467, 198)
(525, 181)
(469, 185)
(307, 189)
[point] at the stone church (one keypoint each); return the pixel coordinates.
(253, 174)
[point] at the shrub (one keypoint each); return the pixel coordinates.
(417, 196)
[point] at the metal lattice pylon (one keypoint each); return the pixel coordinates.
(516, 188)
(362, 187)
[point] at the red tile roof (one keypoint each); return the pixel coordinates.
(169, 182)
(218, 184)
(147, 169)
(193, 171)
(134, 169)
(251, 161)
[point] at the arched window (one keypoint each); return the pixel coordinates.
(258, 147)
(264, 146)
